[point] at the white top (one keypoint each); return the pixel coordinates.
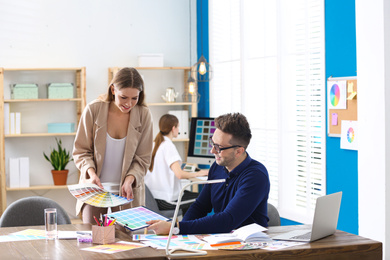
(162, 181)
(113, 160)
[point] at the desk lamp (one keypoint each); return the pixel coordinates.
(192, 251)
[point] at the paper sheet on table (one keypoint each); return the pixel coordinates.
(115, 247)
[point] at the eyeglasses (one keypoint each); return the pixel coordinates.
(218, 148)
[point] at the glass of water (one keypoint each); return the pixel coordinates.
(51, 223)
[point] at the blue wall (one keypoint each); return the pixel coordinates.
(340, 61)
(202, 10)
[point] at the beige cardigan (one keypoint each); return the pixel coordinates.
(90, 145)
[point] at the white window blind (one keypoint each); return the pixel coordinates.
(268, 61)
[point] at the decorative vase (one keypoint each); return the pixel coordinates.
(60, 177)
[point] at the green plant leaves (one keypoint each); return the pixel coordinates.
(58, 158)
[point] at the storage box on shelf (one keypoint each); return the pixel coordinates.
(60, 128)
(60, 90)
(38, 116)
(24, 91)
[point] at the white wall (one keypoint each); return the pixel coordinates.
(373, 73)
(97, 34)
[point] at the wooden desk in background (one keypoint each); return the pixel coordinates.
(341, 245)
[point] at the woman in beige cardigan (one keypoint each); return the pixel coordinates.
(114, 141)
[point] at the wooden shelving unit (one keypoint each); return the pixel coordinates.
(79, 76)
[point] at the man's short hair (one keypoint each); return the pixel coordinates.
(237, 125)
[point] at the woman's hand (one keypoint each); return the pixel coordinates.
(202, 173)
(127, 187)
(160, 227)
(94, 178)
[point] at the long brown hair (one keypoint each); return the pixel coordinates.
(166, 123)
(126, 78)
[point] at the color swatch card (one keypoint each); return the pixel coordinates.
(96, 196)
(135, 218)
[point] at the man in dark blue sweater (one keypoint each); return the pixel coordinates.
(239, 201)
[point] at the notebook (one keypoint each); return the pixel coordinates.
(249, 233)
(326, 215)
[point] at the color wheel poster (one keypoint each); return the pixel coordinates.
(349, 130)
(337, 94)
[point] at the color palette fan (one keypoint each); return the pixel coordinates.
(96, 196)
(135, 218)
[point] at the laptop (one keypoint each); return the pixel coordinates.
(326, 215)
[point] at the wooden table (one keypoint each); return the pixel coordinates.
(341, 245)
(67, 249)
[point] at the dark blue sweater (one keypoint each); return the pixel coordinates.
(240, 201)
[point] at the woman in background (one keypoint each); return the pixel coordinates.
(163, 177)
(114, 142)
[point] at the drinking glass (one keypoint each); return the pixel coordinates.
(51, 223)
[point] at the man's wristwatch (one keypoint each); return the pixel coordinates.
(176, 229)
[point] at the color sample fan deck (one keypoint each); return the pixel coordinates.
(96, 196)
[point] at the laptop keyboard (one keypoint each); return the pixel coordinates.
(305, 236)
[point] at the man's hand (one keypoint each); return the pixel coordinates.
(160, 227)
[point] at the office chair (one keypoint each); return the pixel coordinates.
(151, 203)
(273, 215)
(30, 212)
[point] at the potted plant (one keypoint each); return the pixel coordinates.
(59, 159)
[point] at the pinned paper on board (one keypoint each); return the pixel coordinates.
(337, 94)
(334, 118)
(351, 93)
(349, 133)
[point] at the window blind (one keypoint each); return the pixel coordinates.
(268, 60)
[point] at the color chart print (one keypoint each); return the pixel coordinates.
(182, 241)
(153, 237)
(114, 248)
(96, 196)
(337, 94)
(28, 234)
(349, 135)
(135, 218)
(204, 130)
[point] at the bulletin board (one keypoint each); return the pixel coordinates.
(350, 113)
